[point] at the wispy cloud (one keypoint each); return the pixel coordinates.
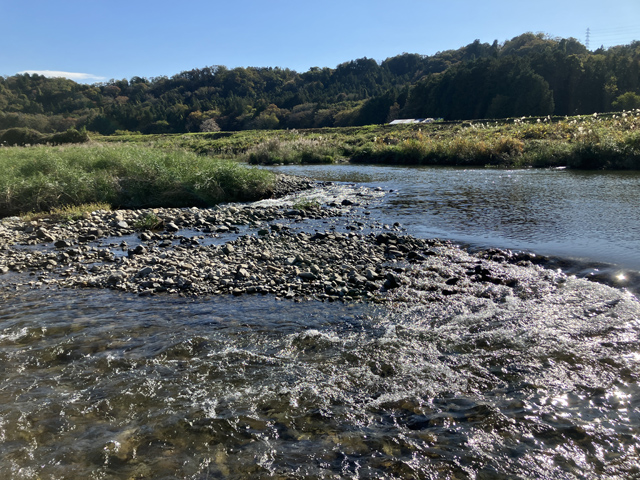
(78, 77)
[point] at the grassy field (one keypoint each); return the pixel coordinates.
(42, 178)
(610, 141)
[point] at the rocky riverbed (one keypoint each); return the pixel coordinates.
(318, 243)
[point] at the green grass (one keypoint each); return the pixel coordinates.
(294, 150)
(66, 212)
(35, 179)
(610, 141)
(581, 142)
(149, 222)
(306, 204)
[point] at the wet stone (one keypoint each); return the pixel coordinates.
(62, 244)
(273, 255)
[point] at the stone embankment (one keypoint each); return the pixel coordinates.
(326, 249)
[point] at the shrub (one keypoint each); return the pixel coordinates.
(627, 101)
(297, 150)
(70, 136)
(209, 125)
(148, 222)
(20, 136)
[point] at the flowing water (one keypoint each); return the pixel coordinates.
(102, 384)
(593, 216)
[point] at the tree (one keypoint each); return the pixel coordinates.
(627, 101)
(209, 125)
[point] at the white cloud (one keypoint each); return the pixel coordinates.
(78, 77)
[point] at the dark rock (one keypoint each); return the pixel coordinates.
(44, 235)
(309, 276)
(116, 278)
(417, 256)
(392, 281)
(171, 227)
(145, 272)
(62, 244)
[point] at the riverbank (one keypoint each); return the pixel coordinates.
(608, 141)
(202, 170)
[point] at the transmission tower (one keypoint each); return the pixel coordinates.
(588, 34)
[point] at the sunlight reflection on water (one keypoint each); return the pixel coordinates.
(122, 387)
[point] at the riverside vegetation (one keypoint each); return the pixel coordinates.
(41, 178)
(204, 169)
(609, 141)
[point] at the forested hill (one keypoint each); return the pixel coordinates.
(528, 75)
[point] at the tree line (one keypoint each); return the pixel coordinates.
(531, 74)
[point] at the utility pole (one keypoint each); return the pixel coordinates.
(588, 34)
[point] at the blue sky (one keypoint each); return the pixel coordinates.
(97, 40)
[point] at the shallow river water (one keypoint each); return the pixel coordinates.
(593, 216)
(102, 384)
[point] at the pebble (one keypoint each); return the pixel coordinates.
(269, 258)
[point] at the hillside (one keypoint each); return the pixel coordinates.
(528, 75)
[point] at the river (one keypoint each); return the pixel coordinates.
(102, 384)
(584, 216)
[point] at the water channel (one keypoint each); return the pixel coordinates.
(102, 384)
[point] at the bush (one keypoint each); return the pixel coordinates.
(209, 125)
(298, 150)
(70, 136)
(20, 137)
(25, 136)
(627, 101)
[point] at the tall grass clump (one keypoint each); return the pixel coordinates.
(21, 136)
(294, 151)
(122, 175)
(452, 150)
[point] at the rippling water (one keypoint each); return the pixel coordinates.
(105, 385)
(591, 216)
(101, 384)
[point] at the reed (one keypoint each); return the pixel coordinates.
(41, 178)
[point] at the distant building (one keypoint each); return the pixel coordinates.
(401, 121)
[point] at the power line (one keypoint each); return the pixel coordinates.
(612, 36)
(618, 29)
